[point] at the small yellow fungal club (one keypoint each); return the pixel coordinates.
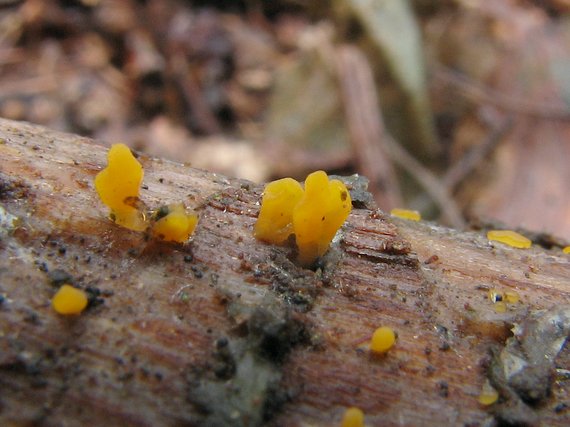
(382, 340)
(500, 307)
(275, 222)
(324, 207)
(509, 237)
(69, 300)
(566, 249)
(406, 214)
(175, 224)
(500, 299)
(353, 417)
(118, 187)
(512, 297)
(313, 215)
(488, 394)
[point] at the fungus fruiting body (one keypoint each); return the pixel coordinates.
(175, 224)
(512, 297)
(69, 300)
(313, 214)
(275, 221)
(383, 339)
(406, 214)
(353, 417)
(500, 299)
(566, 249)
(319, 214)
(500, 307)
(118, 187)
(488, 394)
(509, 237)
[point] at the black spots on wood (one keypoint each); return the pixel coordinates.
(59, 277)
(275, 336)
(443, 334)
(251, 356)
(443, 388)
(251, 361)
(298, 286)
(12, 189)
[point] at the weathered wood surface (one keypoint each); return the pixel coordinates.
(226, 330)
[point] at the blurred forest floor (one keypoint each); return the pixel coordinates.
(457, 108)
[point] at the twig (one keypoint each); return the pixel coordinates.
(474, 157)
(374, 146)
(31, 86)
(191, 92)
(365, 125)
(483, 94)
(431, 183)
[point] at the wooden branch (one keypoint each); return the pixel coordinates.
(227, 331)
(365, 125)
(511, 103)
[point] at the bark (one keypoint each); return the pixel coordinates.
(228, 331)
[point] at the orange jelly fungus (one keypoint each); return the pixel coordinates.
(118, 187)
(509, 237)
(406, 214)
(69, 300)
(353, 417)
(176, 225)
(313, 215)
(382, 340)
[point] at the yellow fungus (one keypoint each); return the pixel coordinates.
(406, 214)
(69, 300)
(324, 207)
(566, 250)
(488, 394)
(500, 307)
(382, 340)
(275, 221)
(512, 297)
(509, 237)
(174, 224)
(118, 187)
(313, 215)
(353, 417)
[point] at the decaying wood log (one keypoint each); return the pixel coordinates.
(228, 331)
